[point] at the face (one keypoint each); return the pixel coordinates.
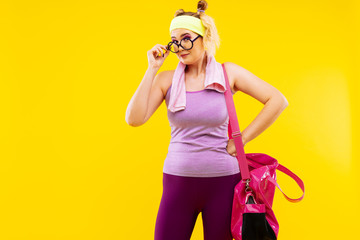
(195, 53)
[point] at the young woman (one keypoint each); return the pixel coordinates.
(200, 170)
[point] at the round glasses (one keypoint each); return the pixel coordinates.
(186, 43)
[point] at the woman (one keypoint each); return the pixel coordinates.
(201, 169)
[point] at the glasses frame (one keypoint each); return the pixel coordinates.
(172, 42)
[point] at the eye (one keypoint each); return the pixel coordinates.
(187, 38)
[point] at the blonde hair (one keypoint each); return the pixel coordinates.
(211, 39)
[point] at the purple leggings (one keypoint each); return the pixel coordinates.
(184, 198)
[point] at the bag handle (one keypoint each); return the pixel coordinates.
(293, 176)
(234, 130)
(287, 172)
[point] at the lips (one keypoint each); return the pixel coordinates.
(184, 54)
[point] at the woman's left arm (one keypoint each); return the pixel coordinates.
(274, 101)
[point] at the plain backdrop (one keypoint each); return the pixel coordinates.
(72, 168)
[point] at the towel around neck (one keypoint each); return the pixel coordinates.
(214, 79)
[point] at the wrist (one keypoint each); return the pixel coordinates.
(153, 69)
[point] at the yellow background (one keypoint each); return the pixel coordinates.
(71, 167)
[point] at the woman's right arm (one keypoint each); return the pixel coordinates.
(137, 109)
(148, 96)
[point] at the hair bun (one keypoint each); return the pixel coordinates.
(179, 11)
(202, 6)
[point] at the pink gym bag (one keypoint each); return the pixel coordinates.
(252, 215)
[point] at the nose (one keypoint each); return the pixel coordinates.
(180, 47)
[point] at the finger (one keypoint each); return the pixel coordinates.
(157, 52)
(164, 47)
(166, 51)
(161, 51)
(154, 53)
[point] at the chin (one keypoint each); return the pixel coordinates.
(186, 62)
(186, 59)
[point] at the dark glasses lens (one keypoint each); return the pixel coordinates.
(186, 43)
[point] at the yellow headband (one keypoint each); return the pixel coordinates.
(189, 22)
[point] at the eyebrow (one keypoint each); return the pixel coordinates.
(181, 35)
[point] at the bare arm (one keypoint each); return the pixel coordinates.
(138, 105)
(267, 116)
(274, 101)
(148, 96)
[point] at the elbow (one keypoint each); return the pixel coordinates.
(282, 105)
(279, 101)
(131, 122)
(283, 102)
(286, 103)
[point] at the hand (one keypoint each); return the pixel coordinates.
(156, 55)
(230, 147)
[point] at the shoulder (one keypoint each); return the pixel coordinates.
(239, 77)
(230, 65)
(247, 82)
(233, 70)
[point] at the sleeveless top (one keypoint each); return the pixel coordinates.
(199, 135)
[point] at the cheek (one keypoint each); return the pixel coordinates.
(197, 50)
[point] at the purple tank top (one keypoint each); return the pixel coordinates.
(199, 136)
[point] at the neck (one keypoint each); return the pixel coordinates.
(198, 68)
